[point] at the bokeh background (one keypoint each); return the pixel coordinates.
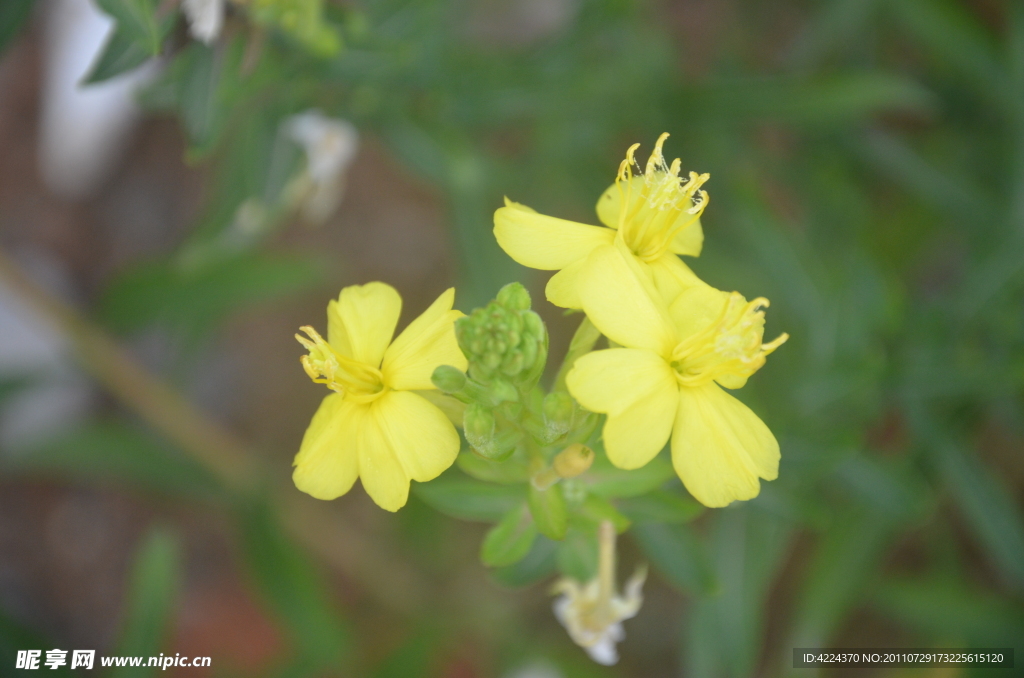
(867, 176)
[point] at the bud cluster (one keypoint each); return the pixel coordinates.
(504, 340)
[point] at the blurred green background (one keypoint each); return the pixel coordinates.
(867, 176)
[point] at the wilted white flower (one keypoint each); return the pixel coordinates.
(593, 613)
(330, 145)
(205, 18)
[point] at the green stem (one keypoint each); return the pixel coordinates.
(582, 343)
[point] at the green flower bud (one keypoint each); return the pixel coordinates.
(479, 425)
(504, 339)
(482, 432)
(559, 409)
(514, 297)
(448, 379)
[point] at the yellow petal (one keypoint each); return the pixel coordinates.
(671, 276)
(637, 389)
(538, 241)
(720, 448)
(622, 301)
(609, 203)
(427, 342)
(696, 307)
(689, 241)
(367, 314)
(563, 287)
(381, 473)
(421, 436)
(328, 462)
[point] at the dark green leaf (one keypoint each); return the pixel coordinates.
(549, 511)
(150, 602)
(678, 555)
(509, 541)
(538, 563)
(13, 15)
(577, 555)
(120, 54)
(989, 509)
(843, 564)
(138, 20)
(512, 470)
(460, 497)
(294, 591)
(660, 506)
(605, 480)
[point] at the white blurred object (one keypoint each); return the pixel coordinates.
(58, 395)
(593, 613)
(85, 129)
(537, 669)
(205, 18)
(330, 145)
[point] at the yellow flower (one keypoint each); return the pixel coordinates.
(374, 426)
(656, 214)
(666, 379)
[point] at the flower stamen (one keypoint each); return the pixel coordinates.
(651, 219)
(324, 365)
(731, 345)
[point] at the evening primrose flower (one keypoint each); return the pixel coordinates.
(666, 379)
(374, 426)
(655, 214)
(593, 613)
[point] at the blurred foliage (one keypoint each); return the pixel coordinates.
(867, 163)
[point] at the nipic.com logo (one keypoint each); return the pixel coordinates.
(86, 659)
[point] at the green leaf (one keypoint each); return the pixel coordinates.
(294, 590)
(510, 471)
(13, 15)
(120, 54)
(842, 566)
(538, 563)
(988, 507)
(196, 300)
(116, 453)
(509, 541)
(947, 607)
(199, 70)
(138, 20)
(548, 510)
(678, 555)
(150, 601)
(660, 506)
(955, 36)
(577, 555)
(595, 509)
(606, 480)
(835, 100)
(455, 495)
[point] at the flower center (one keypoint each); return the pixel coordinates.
(353, 379)
(730, 346)
(651, 214)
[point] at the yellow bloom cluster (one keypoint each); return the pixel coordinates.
(678, 339)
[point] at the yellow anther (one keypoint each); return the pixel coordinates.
(326, 366)
(729, 346)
